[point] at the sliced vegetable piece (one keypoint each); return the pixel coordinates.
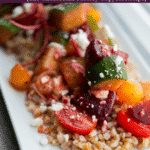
(19, 77)
(130, 92)
(95, 14)
(73, 70)
(94, 106)
(112, 85)
(146, 90)
(75, 120)
(67, 16)
(49, 60)
(136, 128)
(7, 30)
(140, 112)
(105, 69)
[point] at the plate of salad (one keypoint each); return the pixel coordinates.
(66, 81)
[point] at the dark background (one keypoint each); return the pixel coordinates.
(8, 139)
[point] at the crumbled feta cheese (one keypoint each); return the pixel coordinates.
(43, 108)
(89, 83)
(45, 79)
(118, 60)
(17, 11)
(92, 106)
(56, 107)
(106, 71)
(81, 39)
(94, 118)
(74, 108)
(37, 122)
(64, 92)
(101, 75)
(115, 47)
(27, 6)
(57, 45)
(44, 141)
(53, 101)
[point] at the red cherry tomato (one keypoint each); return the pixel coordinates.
(74, 120)
(136, 128)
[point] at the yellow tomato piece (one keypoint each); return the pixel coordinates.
(146, 90)
(95, 14)
(111, 85)
(130, 93)
(19, 77)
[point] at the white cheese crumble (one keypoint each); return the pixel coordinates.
(36, 122)
(115, 47)
(57, 45)
(118, 60)
(17, 11)
(44, 141)
(64, 92)
(81, 39)
(94, 118)
(56, 107)
(27, 6)
(92, 106)
(101, 75)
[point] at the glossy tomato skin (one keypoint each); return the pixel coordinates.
(136, 128)
(75, 120)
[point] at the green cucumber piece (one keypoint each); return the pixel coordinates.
(5, 24)
(105, 69)
(92, 23)
(59, 37)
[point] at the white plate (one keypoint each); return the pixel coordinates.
(27, 136)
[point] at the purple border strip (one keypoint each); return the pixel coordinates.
(75, 1)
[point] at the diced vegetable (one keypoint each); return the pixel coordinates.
(131, 125)
(94, 106)
(140, 112)
(73, 70)
(95, 14)
(130, 92)
(67, 16)
(75, 120)
(105, 69)
(146, 90)
(7, 30)
(19, 77)
(50, 60)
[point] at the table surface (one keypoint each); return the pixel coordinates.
(8, 139)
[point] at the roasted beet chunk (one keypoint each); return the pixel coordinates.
(94, 106)
(98, 50)
(95, 52)
(141, 112)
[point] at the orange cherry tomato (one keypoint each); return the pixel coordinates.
(130, 92)
(19, 77)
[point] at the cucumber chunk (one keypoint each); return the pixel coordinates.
(105, 69)
(7, 30)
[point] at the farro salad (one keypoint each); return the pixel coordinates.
(80, 87)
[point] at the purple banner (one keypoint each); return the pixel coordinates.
(75, 1)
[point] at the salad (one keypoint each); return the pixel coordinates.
(78, 83)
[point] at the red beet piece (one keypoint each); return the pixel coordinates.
(141, 112)
(94, 106)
